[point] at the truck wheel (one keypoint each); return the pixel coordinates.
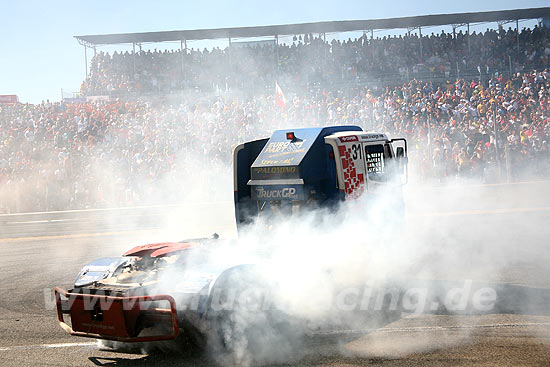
(247, 330)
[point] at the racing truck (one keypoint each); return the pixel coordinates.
(159, 291)
(304, 169)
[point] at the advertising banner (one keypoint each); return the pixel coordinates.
(8, 98)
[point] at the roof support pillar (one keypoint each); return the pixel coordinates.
(86, 60)
(420, 36)
(183, 47)
(230, 60)
(517, 33)
(276, 57)
(372, 43)
(134, 59)
(469, 38)
(327, 49)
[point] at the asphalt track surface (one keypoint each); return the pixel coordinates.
(40, 251)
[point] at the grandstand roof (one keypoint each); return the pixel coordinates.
(317, 27)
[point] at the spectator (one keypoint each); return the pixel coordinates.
(119, 151)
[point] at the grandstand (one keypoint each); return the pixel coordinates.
(457, 20)
(474, 106)
(422, 61)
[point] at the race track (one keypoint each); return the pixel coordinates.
(40, 251)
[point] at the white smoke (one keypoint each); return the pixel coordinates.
(311, 259)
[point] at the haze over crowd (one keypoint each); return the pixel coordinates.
(141, 119)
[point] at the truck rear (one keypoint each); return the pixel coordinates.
(299, 169)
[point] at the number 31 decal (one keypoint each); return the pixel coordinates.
(356, 151)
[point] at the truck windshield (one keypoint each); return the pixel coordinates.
(376, 162)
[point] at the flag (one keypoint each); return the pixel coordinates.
(280, 99)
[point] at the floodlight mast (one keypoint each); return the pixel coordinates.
(86, 44)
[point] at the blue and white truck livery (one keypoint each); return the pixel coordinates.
(315, 167)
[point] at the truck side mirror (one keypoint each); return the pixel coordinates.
(400, 152)
(400, 155)
(401, 159)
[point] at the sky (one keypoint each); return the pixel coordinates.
(39, 55)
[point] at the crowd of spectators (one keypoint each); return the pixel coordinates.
(141, 143)
(310, 60)
(122, 152)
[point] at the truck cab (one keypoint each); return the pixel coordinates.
(303, 169)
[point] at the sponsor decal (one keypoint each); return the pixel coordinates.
(375, 162)
(345, 139)
(373, 137)
(279, 161)
(354, 178)
(284, 146)
(273, 172)
(290, 193)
